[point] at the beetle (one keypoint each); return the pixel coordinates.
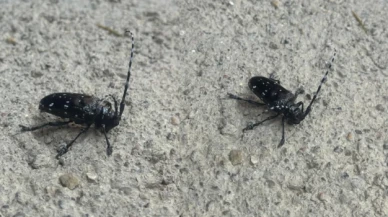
(84, 110)
(279, 100)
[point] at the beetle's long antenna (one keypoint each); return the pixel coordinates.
(122, 104)
(320, 85)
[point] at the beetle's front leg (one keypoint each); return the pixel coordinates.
(108, 146)
(298, 91)
(300, 104)
(281, 143)
(115, 104)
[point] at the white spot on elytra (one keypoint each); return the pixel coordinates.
(66, 106)
(254, 86)
(76, 116)
(51, 104)
(67, 101)
(65, 113)
(79, 101)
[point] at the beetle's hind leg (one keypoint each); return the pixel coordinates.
(63, 150)
(251, 126)
(53, 124)
(232, 96)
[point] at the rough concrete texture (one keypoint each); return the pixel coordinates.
(180, 150)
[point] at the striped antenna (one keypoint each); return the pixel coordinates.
(122, 104)
(320, 85)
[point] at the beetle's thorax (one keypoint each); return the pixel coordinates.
(289, 109)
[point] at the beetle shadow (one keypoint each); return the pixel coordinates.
(56, 135)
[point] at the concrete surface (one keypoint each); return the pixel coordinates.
(180, 150)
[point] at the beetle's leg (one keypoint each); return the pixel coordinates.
(245, 100)
(251, 126)
(115, 102)
(65, 149)
(282, 141)
(298, 91)
(108, 147)
(300, 104)
(53, 124)
(273, 78)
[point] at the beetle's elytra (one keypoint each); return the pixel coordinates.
(279, 100)
(85, 110)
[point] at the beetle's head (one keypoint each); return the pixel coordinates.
(295, 115)
(112, 123)
(108, 119)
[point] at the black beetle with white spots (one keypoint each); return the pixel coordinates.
(85, 110)
(279, 100)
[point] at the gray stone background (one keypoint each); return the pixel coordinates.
(179, 150)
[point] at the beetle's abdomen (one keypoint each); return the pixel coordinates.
(268, 91)
(69, 105)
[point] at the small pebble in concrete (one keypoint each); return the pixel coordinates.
(254, 159)
(69, 181)
(349, 137)
(175, 120)
(338, 149)
(92, 176)
(235, 157)
(380, 107)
